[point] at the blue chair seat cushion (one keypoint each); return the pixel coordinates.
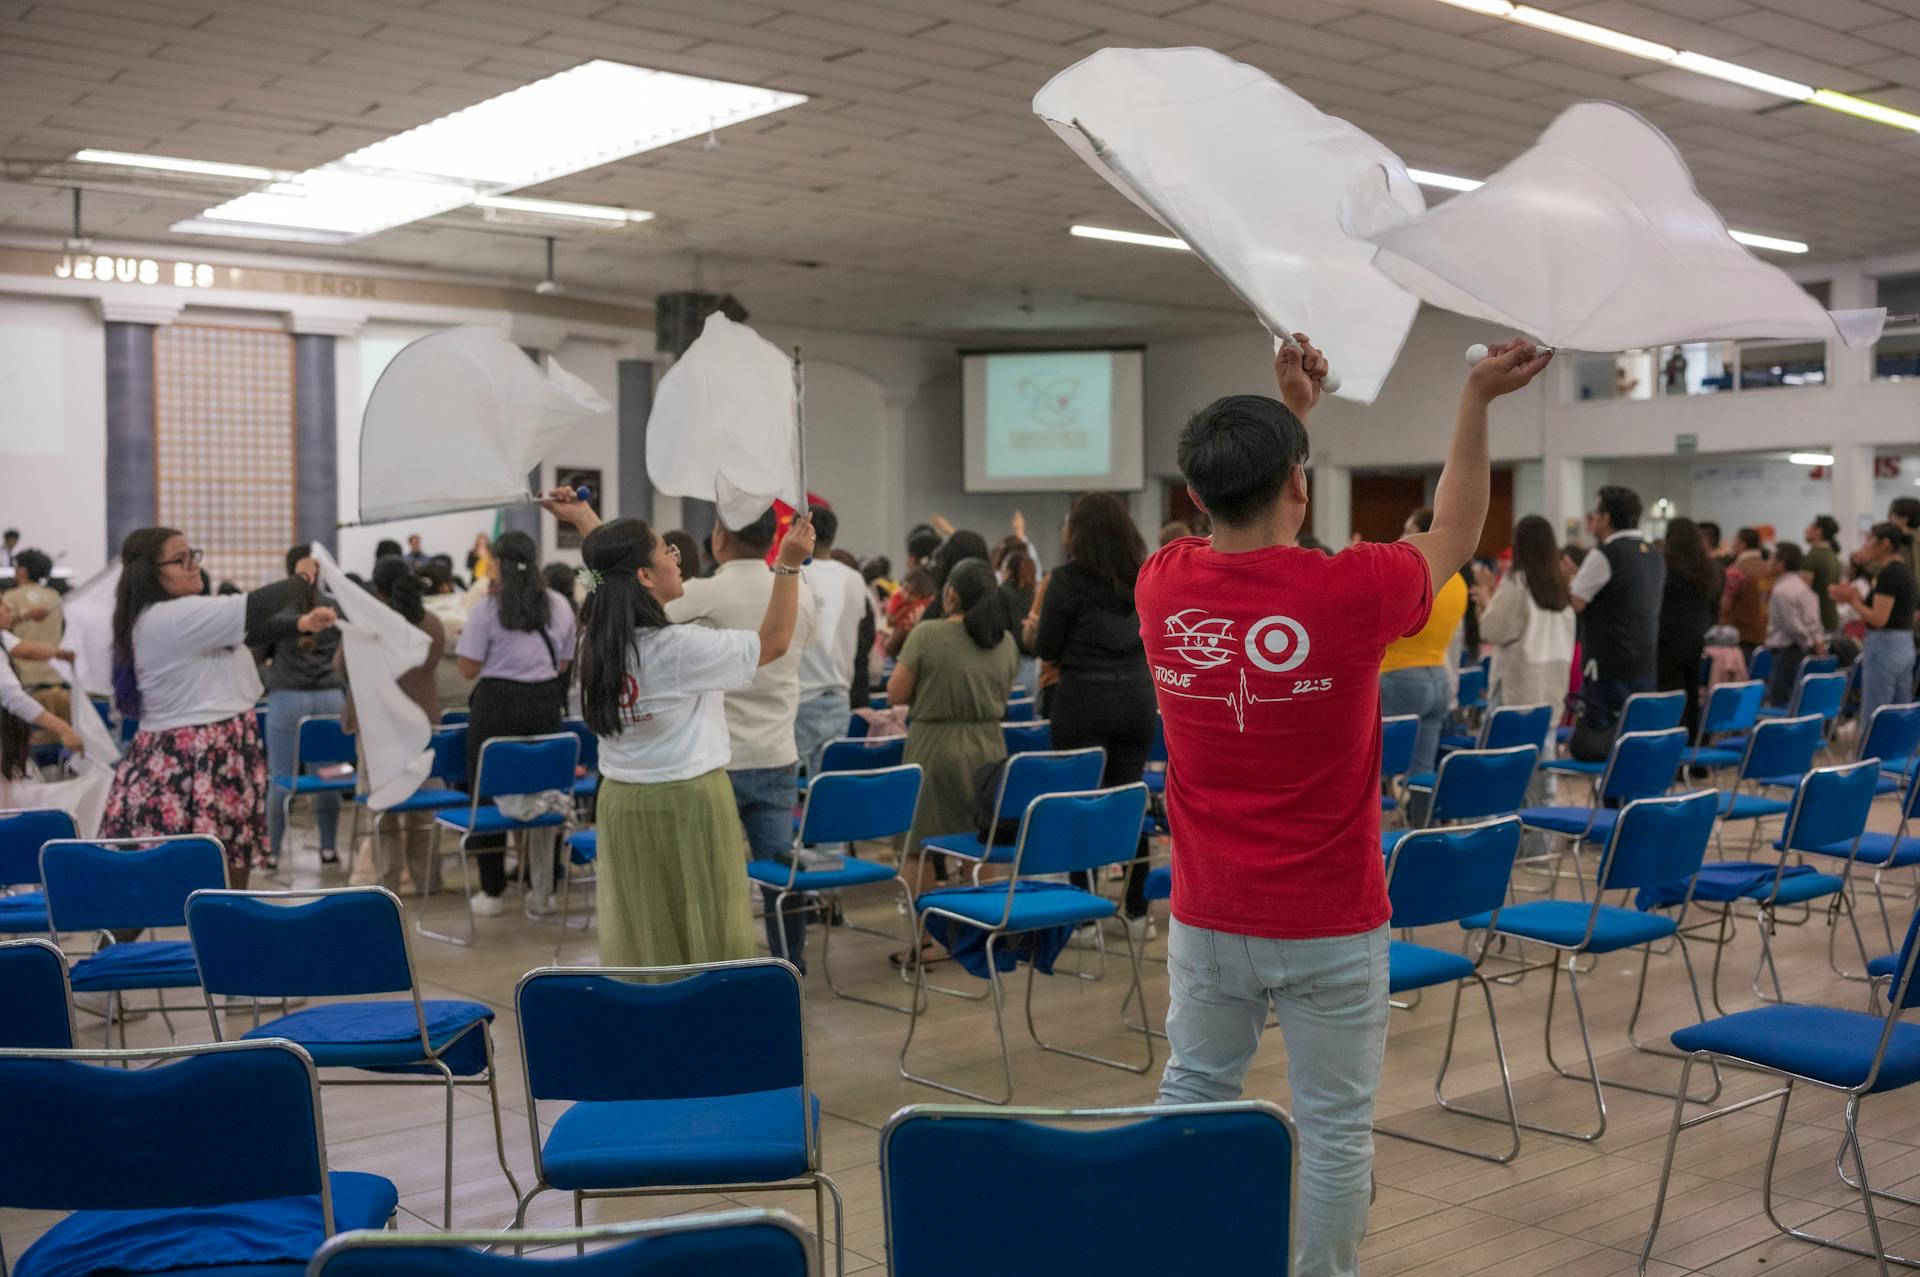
(386, 1035)
(852, 873)
(26, 911)
(1882, 784)
(972, 848)
(1710, 756)
(1827, 1044)
(1421, 780)
(1880, 849)
(1735, 806)
(423, 800)
(1575, 767)
(491, 820)
(1572, 821)
(1389, 803)
(1035, 905)
(1415, 966)
(583, 848)
(138, 964)
(1799, 889)
(1885, 964)
(317, 784)
(587, 784)
(1564, 923)
(1458, 742)
(754, 1138)
(282, 1230)
(1159, 884)
(1156, 781)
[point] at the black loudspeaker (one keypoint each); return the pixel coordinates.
(679, 317)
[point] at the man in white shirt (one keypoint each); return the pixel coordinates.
(826, 667)
(9, 544)
(764, 763)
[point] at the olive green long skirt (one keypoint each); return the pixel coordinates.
(673, 874)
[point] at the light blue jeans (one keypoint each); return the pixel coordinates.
(1886, 672)
(1330, 996)
(1425, 691)
(285, 708)
(822, 717)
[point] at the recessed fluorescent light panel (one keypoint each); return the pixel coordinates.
(171, 164)
(1128, 237)
(1810, 458)
(338, 202)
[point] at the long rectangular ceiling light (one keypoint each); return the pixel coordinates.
(605, 213)
(334, 201)
(174, 164)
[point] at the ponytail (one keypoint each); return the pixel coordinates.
(978, 594)
(399, 585)
(618, 609)
(524, 604)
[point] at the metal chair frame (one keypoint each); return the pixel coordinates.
(473, 814)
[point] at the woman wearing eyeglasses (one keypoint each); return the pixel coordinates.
(182, 669)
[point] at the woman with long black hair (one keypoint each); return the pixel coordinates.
(181, 666)
(673, 883)
(1689, 604)
(518, 643)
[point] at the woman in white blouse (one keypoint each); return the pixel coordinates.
(1528, 620)
(673, 883)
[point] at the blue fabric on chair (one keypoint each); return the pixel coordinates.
(689, 1247)
(93, 887)
(278, 1230)
(1597, 825)
(1575, 767)
(1880, 849)
(1801, 888)
(423, 799)
(318, 784)
(385, 1036)
(138, 964)
(1390, 838)
(1564, 923)
(1416, 966)
(1047, 923)
(1885, 964)
(1424, 780)
(1710, 756)
(970, 846)
(1718, 882)
(1824, 1043)
(344, 943)
(26, 911)
(1750, 806)
(491, 820)
(1159, 885)
(583, 846)
(852, 873)
(753, 1137)
(22, 835)
(34, 1011)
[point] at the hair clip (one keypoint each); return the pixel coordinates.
(592, 577)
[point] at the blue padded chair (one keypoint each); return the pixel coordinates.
(1024, 778)
(1893, 737)
(1813, 693)
(1398, 736)
(1471, 693)
(454, 717)
(1760, 664)
(1228, 1172)
(1851, 1052)
(1020, 709)
(680, 1079)
(212, 1161)
(1027, 738)
(842, 807)
(859, 754)
(584, 787)
(1883, 851)
(508, 766)
(1475, 784)
(449, 770)
(1732, 710)
(130, 884)
(1775, 747)
(583, 859)
(1500, 728)
(347, 942)
(1438, 876)
(1643, 712)
(738, 1243)
(318, 741)
(1655, 841)
(1060, 833)
(36, 1003)
(1820, 664)
(23, 832)
(1640, 765)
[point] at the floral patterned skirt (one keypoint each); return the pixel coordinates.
(194, 780)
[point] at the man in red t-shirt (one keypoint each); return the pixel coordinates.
(1266, 658)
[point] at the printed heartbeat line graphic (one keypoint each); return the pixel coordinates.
(1237, 701)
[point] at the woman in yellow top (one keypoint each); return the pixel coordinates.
(1414, 676)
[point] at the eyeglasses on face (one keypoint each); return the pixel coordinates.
(190, 559)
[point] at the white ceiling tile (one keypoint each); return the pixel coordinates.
(1784, 31)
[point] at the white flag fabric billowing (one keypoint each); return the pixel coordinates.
(458, 419)
(1596, 238)
(100, 745)
(381, 645)
(87, 612)
(1257, 181)
(82, 795)
(723, 424)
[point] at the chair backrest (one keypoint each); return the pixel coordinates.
(1820, 664)
(665, 1033)
(1652, 711)
(1473, 687)
(1658, 840)
(1398, 736)
(1062, 833)
(1781, 747)
(1510, 725)
(36, 1008)
(1047, 771)
(1760, 664)
(526, 765)
(1444, 875)
(1027, 738)
(1892, 736)
(738, 1243)
(130, 883)
(1819, 694)
(858, 806)
(1228, 1173)
(1732, 707)
(449, 745)
(1020, 710)
(1473, 784)
(335, 943)
(857, 726)
(204, 1126)
(1642, 764)
(1831, 805)
(454, 717)
(320, 741)
(862, 754)
(1905, 993)
(23, 832)
(589, 756)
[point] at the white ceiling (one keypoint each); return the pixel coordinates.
(916, 193)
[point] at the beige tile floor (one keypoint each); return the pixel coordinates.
(1564, 1207)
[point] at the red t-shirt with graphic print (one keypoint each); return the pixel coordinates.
(1267, 666)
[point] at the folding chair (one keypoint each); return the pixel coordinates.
(1732, 709)
(23, 832)
(842, 807)
(347, 942)
(1027, 738)
(1892, 737)
(1654, 841)
(1474, 784)
(1643, 712)
(455, 717)
(1020, 710)
(1438, 876)
(1813, 693)
(685, 1079)
(1854, 1053)
(1501, 727)
(36, 1003)
(213, 1160)
(1398, 736)
(1828, 818)
(1025, 777)
(1760, 665)
(1775, 747)
(1640, 765)
(318, 741)
(859, 754)
(1470, 695)
(738, 1243)
(130, 884)
(449, 746)
(509, 766)
(1229, 1173)
(588, 760)
(1899, 849)
(1059, 834)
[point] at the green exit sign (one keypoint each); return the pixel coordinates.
(1686, 443)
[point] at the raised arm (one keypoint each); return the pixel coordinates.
(783, 606)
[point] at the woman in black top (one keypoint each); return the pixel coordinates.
(1886, 658)
(1017, 582)
(1688, 608)
(1088, 627)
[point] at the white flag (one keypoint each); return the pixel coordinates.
(381, 645)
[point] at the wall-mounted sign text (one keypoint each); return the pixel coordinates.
(135, 270)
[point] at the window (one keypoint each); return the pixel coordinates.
(1897, 354)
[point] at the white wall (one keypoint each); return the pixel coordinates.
(594, 443)
(53, 428)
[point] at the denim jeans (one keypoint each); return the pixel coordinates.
(1330, 996)
(1886, 672)
(285, 708)
(765, 797)
(1424, 691)
(822, 717)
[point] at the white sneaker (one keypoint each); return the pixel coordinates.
(1084, 936)
(486, 906)
(540, 905)
(1142, 928)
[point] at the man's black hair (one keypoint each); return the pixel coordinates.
(758, 535)
(35, 564)
(1829, 527)
(826, 525)
(1905, 509)
(922, 541)
(1237, 454)
(1621, 506)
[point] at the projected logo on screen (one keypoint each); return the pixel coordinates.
(1049, 414)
